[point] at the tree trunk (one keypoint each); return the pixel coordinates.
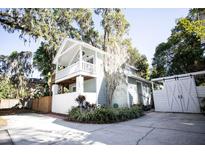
(104, 41)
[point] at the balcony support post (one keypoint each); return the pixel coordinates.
(81, 57)
(80, 84)
(95, 64)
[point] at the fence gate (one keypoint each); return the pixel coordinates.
(176, 94)
(182, 95)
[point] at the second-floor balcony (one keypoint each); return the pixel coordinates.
(78, 68)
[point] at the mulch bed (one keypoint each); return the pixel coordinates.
(13, 111)
(57, 115)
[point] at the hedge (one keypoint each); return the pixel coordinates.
(105, 115)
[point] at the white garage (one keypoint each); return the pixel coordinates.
(179, 93)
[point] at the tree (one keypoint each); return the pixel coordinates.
(3, 65)
(115, 27)
(113, 22)
(51, 26)
(136, 59)
(7, 90)
(41, 56)
(161, 61)
(119, 49)
(195, 22)
(114, 61)
(18, 68)
(182, 53)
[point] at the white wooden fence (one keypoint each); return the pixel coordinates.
(8, 103)
(62, 103)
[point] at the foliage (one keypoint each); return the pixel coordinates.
(46, 68)
(138, 60)
(42, 60)
(105, 115)
(3, 65)
(113, 22)
(81, 101)
(115, 27)
(114, 63)
(182, 53)
(83, 104)
(7, 90)
(39, 91)
(51, 26)
(195, 22)
(17, 66)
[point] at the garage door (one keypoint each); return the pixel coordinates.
(177, 95)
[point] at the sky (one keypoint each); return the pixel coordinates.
(148, 28)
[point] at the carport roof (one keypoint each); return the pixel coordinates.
(139, 78)
(179, 76)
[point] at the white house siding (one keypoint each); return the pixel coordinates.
(139, 92)
(200, 91)
(62, 103)
(89, 85)
(161, 99)
(8, 103)
(90, 97)
(201, 95)
(101, 82)
(120, 96)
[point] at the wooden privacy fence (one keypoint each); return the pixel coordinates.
(42, 104)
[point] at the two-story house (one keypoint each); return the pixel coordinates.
(80, 70)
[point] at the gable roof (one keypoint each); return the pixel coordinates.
(68, 44)
(139, 78)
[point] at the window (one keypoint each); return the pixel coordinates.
(74, 88)
(158, 85)
(90, 60)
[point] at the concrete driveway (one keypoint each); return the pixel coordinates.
(153, 128)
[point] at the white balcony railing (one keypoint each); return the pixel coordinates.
(88, 67)
(69, 70)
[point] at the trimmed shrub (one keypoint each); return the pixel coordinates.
(105, 114)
